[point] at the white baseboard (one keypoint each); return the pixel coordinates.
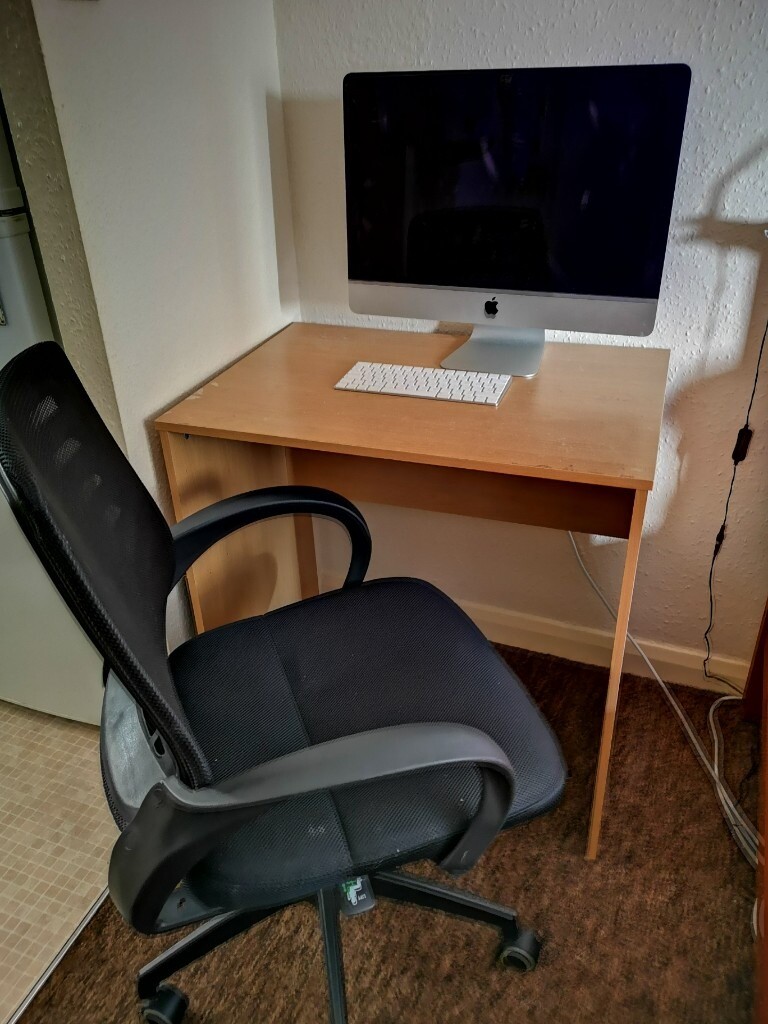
(674, 664)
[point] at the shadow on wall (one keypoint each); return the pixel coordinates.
(722, 398)
(725, 235)
(702, 418)
(239, 204)
(319, 124)
(287, 276)
(722, 395)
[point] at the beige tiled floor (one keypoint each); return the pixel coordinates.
(55, 837)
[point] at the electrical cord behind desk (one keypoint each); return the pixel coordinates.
(743, 831)
(740, 450)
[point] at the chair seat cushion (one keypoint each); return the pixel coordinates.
(389, 652)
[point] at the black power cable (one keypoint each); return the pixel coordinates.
(738, 455)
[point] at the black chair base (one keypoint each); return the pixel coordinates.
(163, 1004)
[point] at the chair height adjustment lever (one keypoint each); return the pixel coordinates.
(356, 896)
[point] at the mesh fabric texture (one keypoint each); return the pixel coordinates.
(97, 531)
(386, 653)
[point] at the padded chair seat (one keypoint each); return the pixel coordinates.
(385, 653)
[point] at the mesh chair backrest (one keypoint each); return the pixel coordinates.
(97, 531)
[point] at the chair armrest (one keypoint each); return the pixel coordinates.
(176, 826)
(195, 534)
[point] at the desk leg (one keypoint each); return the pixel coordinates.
(305, 552)
(614, 678)
(263, 566)
(305, 542)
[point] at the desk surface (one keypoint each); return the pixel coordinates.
(591, 415)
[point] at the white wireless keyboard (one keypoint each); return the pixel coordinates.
(426, 382)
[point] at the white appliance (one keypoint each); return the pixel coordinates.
(46, 662)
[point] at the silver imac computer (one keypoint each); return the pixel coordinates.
(515, 200)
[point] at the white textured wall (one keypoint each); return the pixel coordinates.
(165, 112)
(713, 305)
(172, 130)
(47, 662)
(28, 104)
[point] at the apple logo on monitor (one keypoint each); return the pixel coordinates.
(491, 307)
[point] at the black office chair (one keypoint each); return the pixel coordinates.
(298, 755)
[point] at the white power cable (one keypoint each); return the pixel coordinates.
(741, 828)
(717, 767)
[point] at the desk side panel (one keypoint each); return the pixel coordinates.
(256, 568)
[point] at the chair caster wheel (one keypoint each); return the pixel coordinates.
(167, 1006)
(522, 952)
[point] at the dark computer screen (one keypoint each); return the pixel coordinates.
(544, 180)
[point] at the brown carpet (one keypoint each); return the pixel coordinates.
(657, 930)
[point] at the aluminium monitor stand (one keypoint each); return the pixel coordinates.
(499, 350)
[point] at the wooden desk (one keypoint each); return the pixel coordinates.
(572, 449)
